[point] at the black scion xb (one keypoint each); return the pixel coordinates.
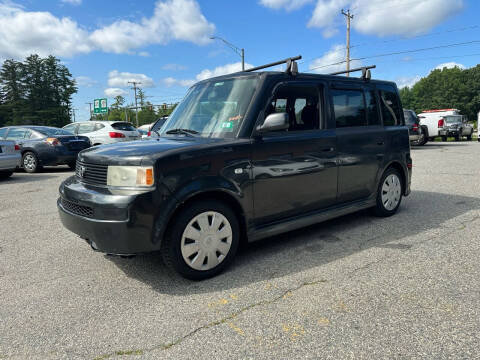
(243, 157)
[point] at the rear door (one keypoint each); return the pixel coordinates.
(360, 140)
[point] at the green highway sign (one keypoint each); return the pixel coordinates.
(100, 106)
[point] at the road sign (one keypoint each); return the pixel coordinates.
(100, 106)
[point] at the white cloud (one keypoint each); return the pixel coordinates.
(206, 74)
(376, 17)
(288, 5)
(171, 20)
(144, 53)
(407, 81)
(25, 32)
(221, 70)
(450, 65)
(85, 81)
(332, 60)
(112, 92)
(72, 2)
(174, 67)
(170, 81)
(121, 79)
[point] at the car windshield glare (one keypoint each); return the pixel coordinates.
(213, 109)
(52, 131)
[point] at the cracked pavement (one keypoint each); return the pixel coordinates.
(354, 287)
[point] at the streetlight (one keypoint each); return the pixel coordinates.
(240, 52)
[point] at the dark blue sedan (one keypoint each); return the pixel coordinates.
(45, 146)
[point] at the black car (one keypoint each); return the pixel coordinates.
(45, 146)
(243, 157)
(417, 133)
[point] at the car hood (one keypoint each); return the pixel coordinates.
(140, 152)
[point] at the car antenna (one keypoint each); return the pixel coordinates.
(366, 74)
(292, 67)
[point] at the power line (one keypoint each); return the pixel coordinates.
(400, 53)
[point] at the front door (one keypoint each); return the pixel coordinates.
(295, 171)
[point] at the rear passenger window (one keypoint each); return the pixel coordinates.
(391, 111)
(16, 134)
(99, 126)
(349, 108)
(86, 128)
(372, 108)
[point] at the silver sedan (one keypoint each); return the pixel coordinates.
(10, 158)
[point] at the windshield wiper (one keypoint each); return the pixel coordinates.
(187, 132)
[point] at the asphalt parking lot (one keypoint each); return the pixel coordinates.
(355, 287)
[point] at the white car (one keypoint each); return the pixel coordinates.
(104, 132)
(434, 121)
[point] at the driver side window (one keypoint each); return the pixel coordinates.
(301, 103)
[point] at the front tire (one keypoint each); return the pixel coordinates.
(389, 193)
(202, 240)
(30, 162)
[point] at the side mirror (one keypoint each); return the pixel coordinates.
(274, 122)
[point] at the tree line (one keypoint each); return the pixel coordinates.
(36, 91)
(446, 88)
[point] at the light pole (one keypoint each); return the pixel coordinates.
(240, 52)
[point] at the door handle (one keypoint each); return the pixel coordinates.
(330, 149)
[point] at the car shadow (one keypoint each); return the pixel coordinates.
(438, 145)
(310, 247)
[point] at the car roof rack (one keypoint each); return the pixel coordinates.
(366, 74)
(292, 67)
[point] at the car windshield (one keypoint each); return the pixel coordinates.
(49, 131)
(212, 109)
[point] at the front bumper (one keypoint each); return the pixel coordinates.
(449, 132)
(111, 223)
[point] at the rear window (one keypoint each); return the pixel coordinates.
(123, 126)
(410, 118)
(159, 124)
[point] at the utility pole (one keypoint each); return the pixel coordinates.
(240, 52)
(90, 104)
(349, 17)
(73, 112)
(135, 83)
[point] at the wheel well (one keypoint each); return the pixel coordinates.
(218, 196)
(399, 168)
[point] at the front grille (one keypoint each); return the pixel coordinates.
(91, 173)
(76, 209)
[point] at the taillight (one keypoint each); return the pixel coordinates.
(149, 133)
(17, 147)
(116, 134)
(53, 141)
(441, 123)
(415, 127)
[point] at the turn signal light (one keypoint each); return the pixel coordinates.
(113, 134)
(53, 141)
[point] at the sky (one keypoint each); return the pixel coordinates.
(166, 45)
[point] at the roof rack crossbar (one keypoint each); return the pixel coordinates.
(363, 68)
(291, 59)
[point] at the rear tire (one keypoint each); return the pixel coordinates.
(30, 162)
(389, 193)
(444, 138)
(5, 174)
(202, 240)
(458, 138)
(469, 137)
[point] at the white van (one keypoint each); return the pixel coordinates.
(434, 120)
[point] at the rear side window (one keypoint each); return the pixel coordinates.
(99, 126)
(372, 108)
(123, 126)
(70, 128)
(3, 132)
(86, 128)
(349, 108)
(391, 110)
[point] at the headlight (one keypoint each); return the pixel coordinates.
(130, 176)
